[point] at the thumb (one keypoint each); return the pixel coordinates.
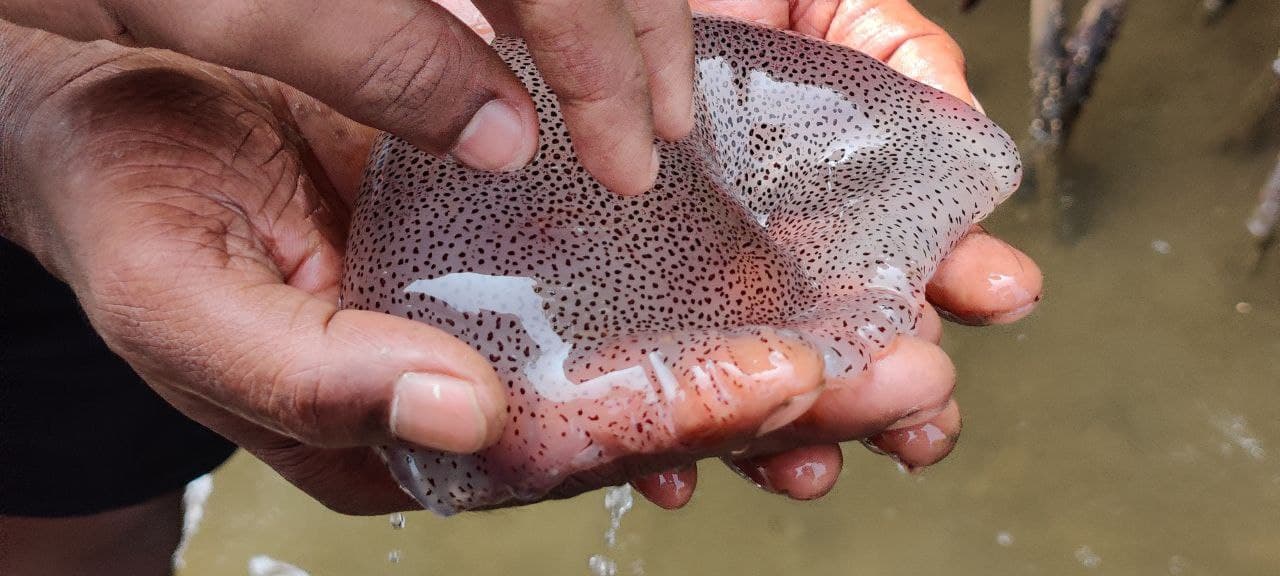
(405, 66)
(294, 363)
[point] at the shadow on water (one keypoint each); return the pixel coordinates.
(1130, 426)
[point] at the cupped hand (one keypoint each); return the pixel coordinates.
(902, 406)
(622, 69)
(199, 214)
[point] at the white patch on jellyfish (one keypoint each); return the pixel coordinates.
(514, 295)
(263, 565)
(769, 101)
(891, 278)
(762, 218)
(193, 499)
(666, 379)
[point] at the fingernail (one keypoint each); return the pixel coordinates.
(788, 412)
(978, 105)
(438, 412)
(915, 417)
(495, 139)
(753, 473)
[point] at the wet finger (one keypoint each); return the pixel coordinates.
(985, 281)
(911, 377)
(929, 327)
(924, 443)
(671, 489)
(803, 473)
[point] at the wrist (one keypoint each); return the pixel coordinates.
(39, 67)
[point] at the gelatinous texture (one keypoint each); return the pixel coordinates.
(787, 238)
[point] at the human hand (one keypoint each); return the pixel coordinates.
(913, 377)
(322, 157)
(623, 69)
(199, 214)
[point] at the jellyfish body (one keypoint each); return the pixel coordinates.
(792, 233)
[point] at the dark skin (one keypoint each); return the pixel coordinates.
(199, 215)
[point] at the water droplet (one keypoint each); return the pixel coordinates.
(397, 520)
(618, 501)
(1087, 557)
(601, 566)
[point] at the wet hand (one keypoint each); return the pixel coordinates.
(622, 69)
(200, 216)
(902, 405)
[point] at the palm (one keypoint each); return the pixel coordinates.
(225, 175)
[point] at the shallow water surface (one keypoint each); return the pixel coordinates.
(1129, 426)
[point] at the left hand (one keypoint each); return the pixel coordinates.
(914, 369)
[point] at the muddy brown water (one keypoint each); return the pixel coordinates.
(1130, 426)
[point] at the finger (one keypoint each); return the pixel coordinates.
(664, 29)
(671, 489)
(909, 378)
(929, 327)
(924, 443)
(295, 364)
(644, 404)
(803, 473)
(985, 281)
(347, 480)
(589, 55)
(409, 67)
(894, 32)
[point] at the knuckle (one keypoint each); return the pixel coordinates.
(584, 75)
(407, 72)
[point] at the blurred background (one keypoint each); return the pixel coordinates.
(1130, 426)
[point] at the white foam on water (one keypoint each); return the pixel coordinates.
(1087, 558)
(263, 565)
(194, 497)
(1236, 431)
(602, 566)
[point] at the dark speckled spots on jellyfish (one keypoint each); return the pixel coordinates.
(791, 233)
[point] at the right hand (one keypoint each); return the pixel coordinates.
(622, 69)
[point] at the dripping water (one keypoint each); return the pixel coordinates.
(618, 500)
